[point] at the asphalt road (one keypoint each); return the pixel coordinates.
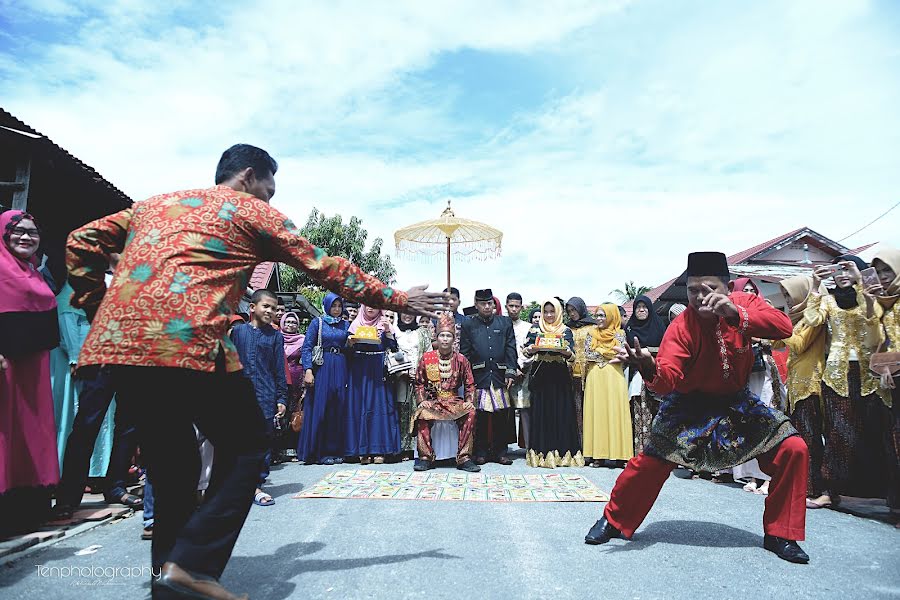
(700, 540)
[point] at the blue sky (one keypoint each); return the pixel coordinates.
(606, 139)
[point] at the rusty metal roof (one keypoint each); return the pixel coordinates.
(47, 145)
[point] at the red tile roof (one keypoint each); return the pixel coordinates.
(262, 275)
(751, 252)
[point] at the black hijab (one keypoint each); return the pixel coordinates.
(583, 317)
(407, 326)
(649, 331)
(846, 297)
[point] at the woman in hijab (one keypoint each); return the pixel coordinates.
(607, 420)
(325, 405)
(804, 383)
(887, 265)
(413, 340)
(293, 350)
(855, 407)
(648, 328)
(373, 429)
(553, 434)
(29, 329)
(580, 322)
(766, 383)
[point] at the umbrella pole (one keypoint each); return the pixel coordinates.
(448, 262)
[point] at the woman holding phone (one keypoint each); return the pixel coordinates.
(855, 407)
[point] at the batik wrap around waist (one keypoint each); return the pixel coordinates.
(713, 432)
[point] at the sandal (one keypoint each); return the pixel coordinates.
(750, 486)
(378, 460)
(365, 460)
(147, 534)
(129, 500)
(819, 502)
(596, 464)
(260, 499)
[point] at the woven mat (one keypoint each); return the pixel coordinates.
(455, 486)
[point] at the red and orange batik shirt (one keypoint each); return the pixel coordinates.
(186, 259)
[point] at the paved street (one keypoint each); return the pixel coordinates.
(700, 539)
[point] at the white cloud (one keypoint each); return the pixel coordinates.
(659, 131)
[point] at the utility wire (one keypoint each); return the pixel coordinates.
(870, 222)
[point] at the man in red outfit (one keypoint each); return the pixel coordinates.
(709, 420)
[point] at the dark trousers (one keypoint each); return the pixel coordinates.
(168, 402)
(492, 432)
(95, 393)
(269, 428)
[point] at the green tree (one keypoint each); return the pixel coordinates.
(337, 238)
(526, 310)
(630, 292)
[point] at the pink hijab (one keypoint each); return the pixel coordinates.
(292, 341)
(361, 320)
(22, 288)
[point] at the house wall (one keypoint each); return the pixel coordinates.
(795, 253)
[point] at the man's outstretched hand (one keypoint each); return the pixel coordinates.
(426, 304)
(637, 357)
(719, 304)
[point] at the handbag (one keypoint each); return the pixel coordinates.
(297, 419)
(881, 362)
(397, 362)
(318, 353)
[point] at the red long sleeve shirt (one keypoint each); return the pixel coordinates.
(713, 357)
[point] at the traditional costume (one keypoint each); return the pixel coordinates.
(490, 346)
(856, 409)
(764, 382)
(709, 420)
(607, 419)
(438, 379)
(518, 392)
(890, 321)
(413, 340)
(642, 402)
(580, 328)
(553, 438)
(804, 381)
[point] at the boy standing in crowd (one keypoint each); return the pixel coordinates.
(261, 349)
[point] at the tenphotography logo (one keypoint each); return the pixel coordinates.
(95, 575)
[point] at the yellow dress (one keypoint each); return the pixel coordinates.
(851, 333)
(805, 363)
(607, 414)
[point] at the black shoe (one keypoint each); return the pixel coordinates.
(601, 533)
(175, 582)
(785, 549)
(469, 466)
(422, 465)
(480, 460)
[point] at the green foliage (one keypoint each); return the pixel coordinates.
(337, 238)
(630, 292)
(526, 310)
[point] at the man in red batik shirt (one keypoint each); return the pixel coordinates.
(709, 420)
(162, 328)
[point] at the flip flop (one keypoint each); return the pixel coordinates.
(258, 499)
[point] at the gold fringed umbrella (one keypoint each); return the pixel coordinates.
(470, 239)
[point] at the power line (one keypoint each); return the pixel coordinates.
(870, 222)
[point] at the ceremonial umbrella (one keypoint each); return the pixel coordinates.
(449, 233)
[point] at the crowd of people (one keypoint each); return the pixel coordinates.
(811, 398)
